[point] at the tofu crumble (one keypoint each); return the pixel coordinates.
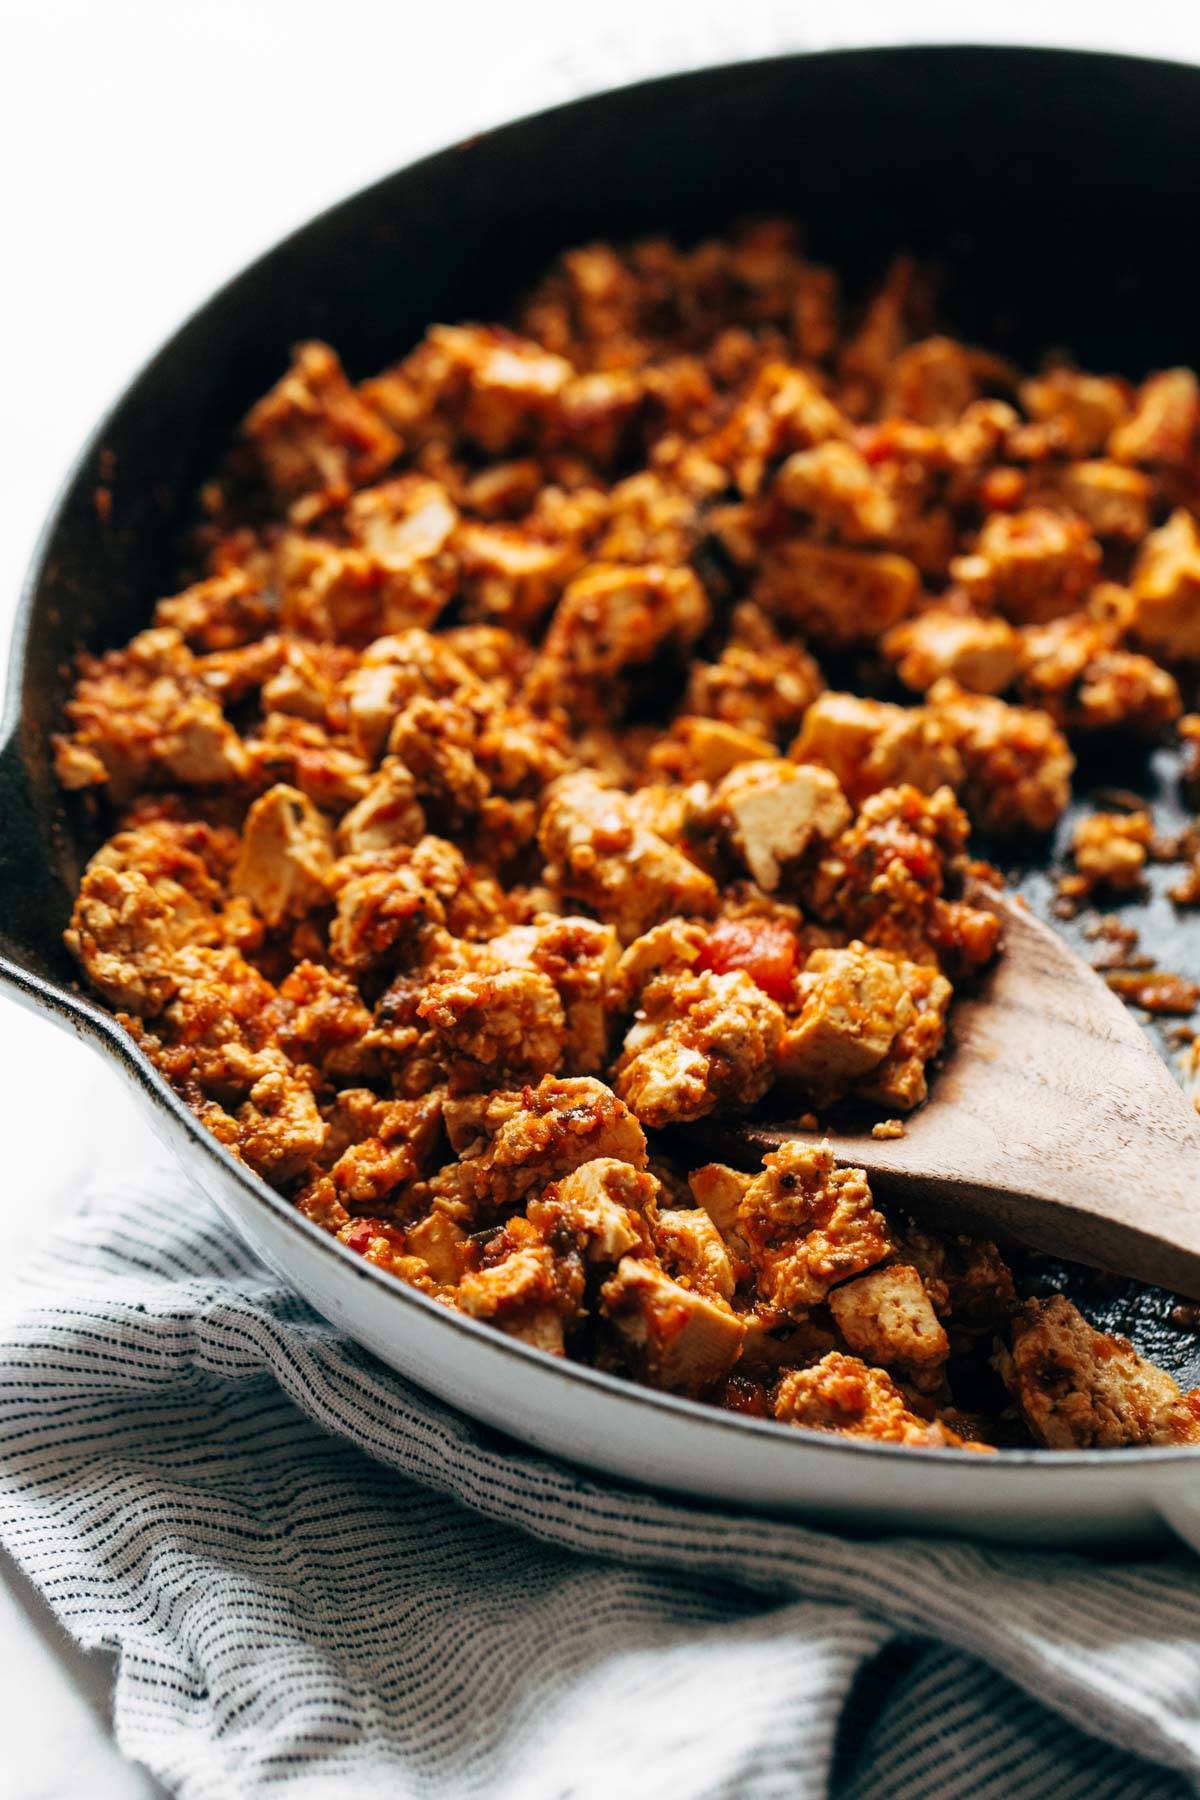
(577, 731)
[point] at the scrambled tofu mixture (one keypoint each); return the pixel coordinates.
(504, 796)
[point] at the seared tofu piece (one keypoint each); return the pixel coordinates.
(285, 864)
(1162, 428)
(316, 439)
(513, 1142)
(887, 1317)
(510, 574)
(501, 390)
(761, 683)
(1166, 590)
(853, 1004)
(611, 618)
(809, 1225)
(1084, 410)
(838, 597)
(932, 382)
(674, 1337)
(142, 717)
(1080, 1389)
(979, 653)
(784, 409)
(524, 1289)
(597, 853)
(388, 814)
(1032, 565)
(1114, 501)
(835, 483)
(773, 812)
(494, 1026)
(699, 749)
(693, 1251)
(842, 1394)
(699, 1043)
(1077, 670)
(870, 745)
(604, 1208)
(1017, 763)
(901, 1080)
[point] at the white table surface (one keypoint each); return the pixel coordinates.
(148, 149)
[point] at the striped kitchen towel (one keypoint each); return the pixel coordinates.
(319, 1580)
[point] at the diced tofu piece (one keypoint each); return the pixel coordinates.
(760, 684)
(1113, 500)
(404, 523)
(596, 853)
(837, 596)
(1033, 565)
(1163, 425)
(774, 812)
(1084, 409)
(1078, 1388)
(698, 749)
(277, 1129)
(602, 1208)
(784, 410)
(222, 613)
(388, 814)
(316, 439)
(1076, 670)
(441, 1246)
(692, 1249)
(840, 1393)
(393, 671)
(145, 715)
(522, 1139)
(1111, 849)
(887, 1317)
(125, 932)
(720, 1190)
(609, 619)
(979, 653)
(527, 1291)
(504, 389)
(853, 1005)
(488, 1026)
(675, 1337)
(511, 575)
(1166, 589)
(810, 1226)
(900, 1079)
(870, 745)
(836, 484)
(699, 1042)
(286, 859)
(1018, 764)
(580, 957)
(596, 411)
(932, 381)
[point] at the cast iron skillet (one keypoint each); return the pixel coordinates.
(1057, 189)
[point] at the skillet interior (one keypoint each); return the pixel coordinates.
(1056, 189)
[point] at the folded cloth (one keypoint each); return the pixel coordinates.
(319, 1580)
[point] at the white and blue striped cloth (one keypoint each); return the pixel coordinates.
(320, 1581)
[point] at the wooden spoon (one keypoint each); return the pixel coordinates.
(1053, 1120)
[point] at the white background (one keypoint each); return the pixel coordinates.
(147, 149)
